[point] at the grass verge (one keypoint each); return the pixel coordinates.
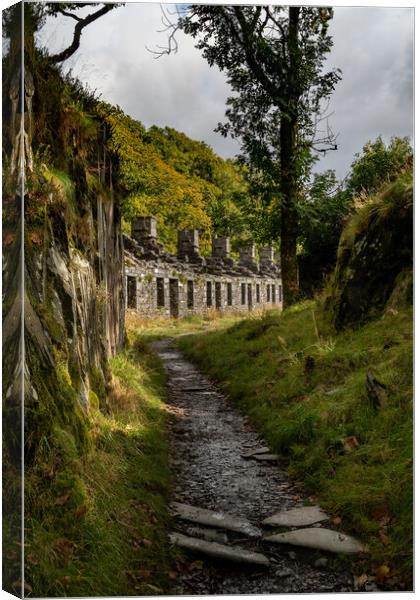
(158, 328)
(304, 388)
(96, 525)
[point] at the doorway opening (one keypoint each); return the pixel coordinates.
(174, 298)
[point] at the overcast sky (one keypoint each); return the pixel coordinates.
(372, 46)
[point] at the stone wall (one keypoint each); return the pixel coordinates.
(161, 284)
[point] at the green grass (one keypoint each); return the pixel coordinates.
(304, 388)
(97, 525)
(154, 329)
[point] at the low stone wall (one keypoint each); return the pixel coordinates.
(161, 284)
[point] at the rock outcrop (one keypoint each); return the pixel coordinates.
(375, 249)
(66, 276)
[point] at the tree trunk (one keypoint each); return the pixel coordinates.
(288, 169)
(289, 217)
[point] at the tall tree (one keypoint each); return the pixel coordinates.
(273, 57)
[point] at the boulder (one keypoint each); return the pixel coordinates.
(375, 248)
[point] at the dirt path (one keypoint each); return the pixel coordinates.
(208, 438)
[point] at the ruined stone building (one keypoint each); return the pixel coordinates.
(162, 284)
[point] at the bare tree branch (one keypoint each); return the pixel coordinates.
(68, 14)
(169, 25)
(81, 24)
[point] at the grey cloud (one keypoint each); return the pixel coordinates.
(374, 48)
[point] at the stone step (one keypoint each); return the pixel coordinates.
(219, 551)
(319, 539)
(203, 390)
(214, 519)
(211, 535)
(297, 517)
(252, 453)
(267, 457)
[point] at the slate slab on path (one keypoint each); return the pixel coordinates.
(297, 517)
(219, 551)
(252, 453)
(211, 535)
(267, 457)
(213, 518)
(318, 538)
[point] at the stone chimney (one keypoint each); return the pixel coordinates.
(266, 256)
(220, 247)
(247, 256)
(188, 244)
(143, 229)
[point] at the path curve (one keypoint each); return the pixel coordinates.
(208, 437)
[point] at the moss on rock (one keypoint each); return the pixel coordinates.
(375, 247)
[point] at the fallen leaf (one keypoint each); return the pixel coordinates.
(144, 573)
(62, 499)
(64, 549)
(384, 538)
(361, 580)
(381, 514)
(350, 443)
(382, 572)
(31, 558)
(82, 510)
(8, 239)
(197, 564)
(35, 237)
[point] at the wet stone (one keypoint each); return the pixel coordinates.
(284, 573)
(214, 519)
(318, 538)
(196, 389)
(211, 535)
(321, 563)
(252, 453)
(266, 457)
(219, 551)
(297, 517)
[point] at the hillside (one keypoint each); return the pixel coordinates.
(182, 182)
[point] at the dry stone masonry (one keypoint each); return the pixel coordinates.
(162, 284)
